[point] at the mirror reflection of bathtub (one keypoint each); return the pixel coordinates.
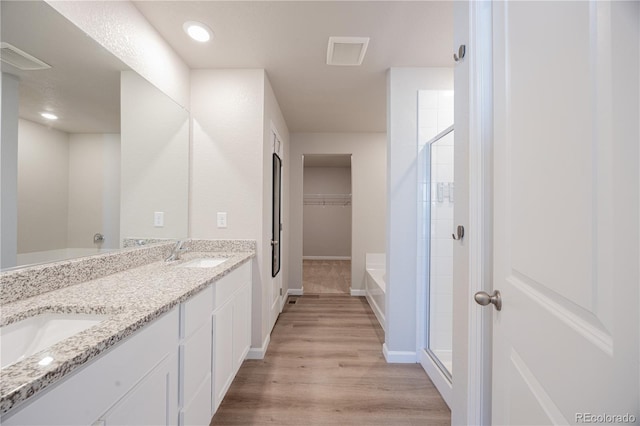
(47, 256)
(375, 278)
(98, 168)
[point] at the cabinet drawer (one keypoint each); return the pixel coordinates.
(229, 284)
(196, 312)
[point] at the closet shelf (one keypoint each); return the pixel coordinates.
(327, 199)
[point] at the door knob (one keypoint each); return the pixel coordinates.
(483, 298)
(274, 243)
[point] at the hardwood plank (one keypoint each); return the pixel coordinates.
(324, 366)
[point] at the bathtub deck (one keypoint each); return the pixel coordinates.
(375, 293)
(324, 366)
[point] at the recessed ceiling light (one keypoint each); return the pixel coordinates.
(197, 31)
(49, 116)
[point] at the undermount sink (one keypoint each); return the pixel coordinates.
(205, 262)
(29, 336)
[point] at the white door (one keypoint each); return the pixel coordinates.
(566, 220)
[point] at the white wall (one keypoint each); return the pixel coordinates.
(226, 153)
(369, 199)
(154, 161)
(43, 187)
(327, 228)
(68, 189)
(402, 220)
(327, 180)
(9, 171)
(124, 31)
(231, 113)
(94, 190)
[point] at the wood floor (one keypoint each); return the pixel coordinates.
(324, 366)
(326, 276)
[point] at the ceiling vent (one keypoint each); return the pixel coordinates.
(346, 50)
(19, 59)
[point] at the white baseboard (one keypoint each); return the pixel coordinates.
(326, 257)
(399, 357)
(295, 292)
(358, 292)
(258, 353)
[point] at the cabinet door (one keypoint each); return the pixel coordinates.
(222, 351)
(198, 410)
(196, 375)
(241, 325)
(195, 359)
(151, 402)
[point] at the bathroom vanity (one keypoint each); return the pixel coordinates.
(169, 340)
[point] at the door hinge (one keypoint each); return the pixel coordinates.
(280, 291)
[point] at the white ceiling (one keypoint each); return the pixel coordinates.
(83, 85)
(289, 39)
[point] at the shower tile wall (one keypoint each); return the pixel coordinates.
(435, 113)
(435, 109)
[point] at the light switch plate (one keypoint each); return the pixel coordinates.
(158, 219)
(222, 219)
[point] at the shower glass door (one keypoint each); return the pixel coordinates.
(440, 304)
(436, 147)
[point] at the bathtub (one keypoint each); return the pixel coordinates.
(34, 258)
(375, 277)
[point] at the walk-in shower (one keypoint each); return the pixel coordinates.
(437, 197)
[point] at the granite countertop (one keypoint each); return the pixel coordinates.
(131, 299)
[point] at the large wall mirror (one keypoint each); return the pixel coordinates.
(113, 165)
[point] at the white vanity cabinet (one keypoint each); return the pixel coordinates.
(174, 371)
(135, 382)
(215, 339)
(232, 329)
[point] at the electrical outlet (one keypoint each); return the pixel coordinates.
(158, 219)
(222, 219)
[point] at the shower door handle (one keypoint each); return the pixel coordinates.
(483, 298)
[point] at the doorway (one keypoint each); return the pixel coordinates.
(326, 264)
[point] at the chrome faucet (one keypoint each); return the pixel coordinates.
(176, 251)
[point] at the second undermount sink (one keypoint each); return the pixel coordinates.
(29, 336)
(205, 262)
